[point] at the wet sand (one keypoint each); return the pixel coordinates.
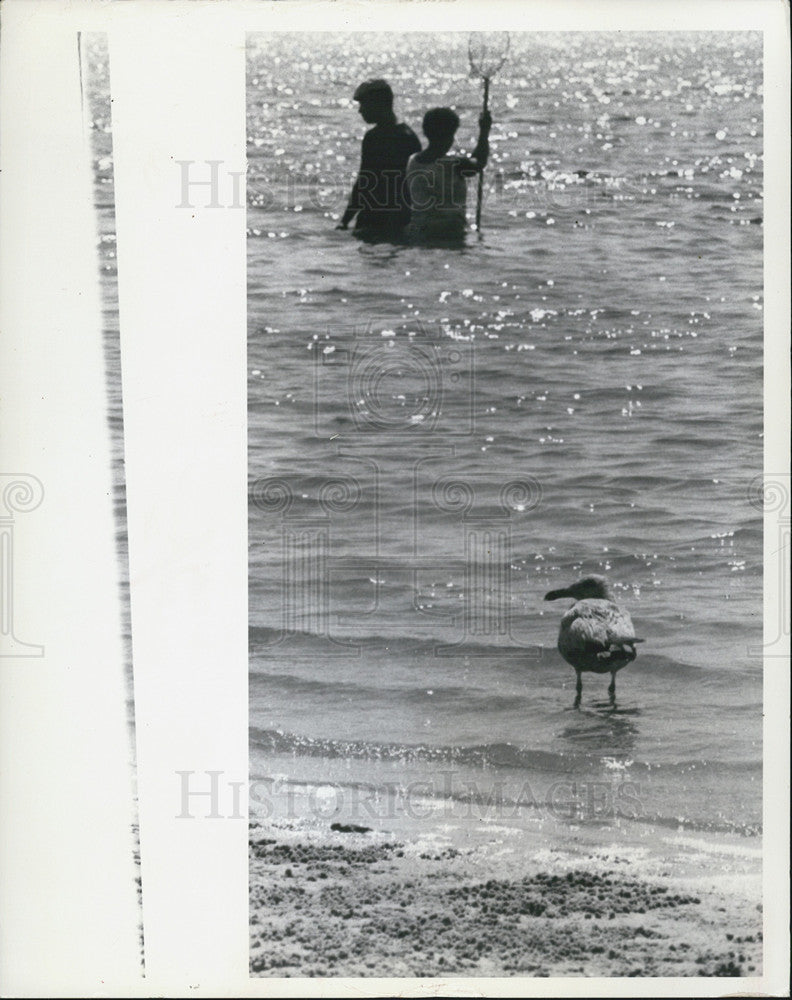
(486, 902)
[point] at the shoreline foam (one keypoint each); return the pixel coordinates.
(427, 897)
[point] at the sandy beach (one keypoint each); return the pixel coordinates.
(482, 899)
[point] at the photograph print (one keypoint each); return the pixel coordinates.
(505, 456)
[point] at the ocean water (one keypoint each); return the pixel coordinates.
(438, 437)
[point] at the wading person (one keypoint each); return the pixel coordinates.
(437, 182)
(379, 198)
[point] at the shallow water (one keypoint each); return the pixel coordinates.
(600, 349)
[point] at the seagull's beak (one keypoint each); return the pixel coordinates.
(553, 595)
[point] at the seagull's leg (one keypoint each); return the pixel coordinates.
(578, 690)
(612, 688)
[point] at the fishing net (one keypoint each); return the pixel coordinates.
(487, 51)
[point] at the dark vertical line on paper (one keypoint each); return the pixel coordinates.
(80, 70)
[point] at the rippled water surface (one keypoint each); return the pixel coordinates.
(437, 437)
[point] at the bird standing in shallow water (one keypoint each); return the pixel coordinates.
(596, 635)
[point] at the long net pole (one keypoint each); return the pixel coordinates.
(487, 53)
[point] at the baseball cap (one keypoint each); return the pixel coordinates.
(373, 88)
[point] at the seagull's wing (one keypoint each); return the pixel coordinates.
(596, 632)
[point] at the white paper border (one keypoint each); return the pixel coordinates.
(186, 456)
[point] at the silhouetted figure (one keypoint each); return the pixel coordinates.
(437, 182)
(379, 199)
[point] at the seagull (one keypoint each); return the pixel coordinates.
(596, 635)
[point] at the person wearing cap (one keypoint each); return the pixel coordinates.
(379, 198)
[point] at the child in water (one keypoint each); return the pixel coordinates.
(437, 182)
